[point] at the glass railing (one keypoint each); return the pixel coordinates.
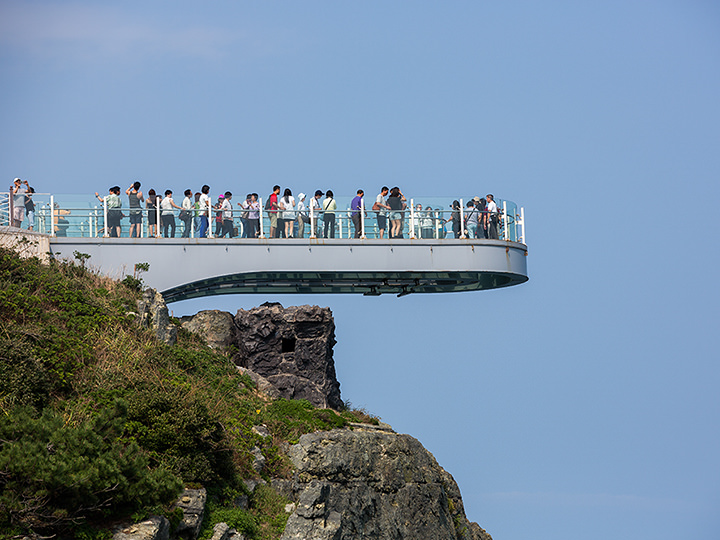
(422, 218)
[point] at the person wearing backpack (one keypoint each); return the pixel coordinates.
(471, 220)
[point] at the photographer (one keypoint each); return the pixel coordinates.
(18, 210)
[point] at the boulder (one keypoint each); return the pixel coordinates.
(153, 313)
(291, 348)
(192, 503)
(215, 326)
(373, 484)
(153, 528)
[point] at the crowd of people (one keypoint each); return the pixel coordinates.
(288, 217)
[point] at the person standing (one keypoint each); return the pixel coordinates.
(114, 212)
(135, 197)
(381, 207)
(218, 215)
(272, 207)
(356, 207)
(455, 218)
(18, 192)
(302, 217)
(186, 214)
(287, 205)
(471, 220)
(396, 202)
(30, 208)
(254, 217)
(204, 209)
(329, 205)
(167, 215)
(228, 226)
(245, 215)
(492, 213)
(151, 207)
(315, 210)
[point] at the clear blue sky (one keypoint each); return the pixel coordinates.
(581, 404)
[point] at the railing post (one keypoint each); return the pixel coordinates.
(504, 211)
(260, 213)
(522, 225)
(106, 232)
(52, 215)
(362, 218)
(210, 221)
(11, 208)
(312, 219)
(412, 219)
(158, 200)
(339, 221)
(462, 220)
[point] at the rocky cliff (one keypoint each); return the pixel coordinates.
(291, 348)
(349, 484)
(366, 483)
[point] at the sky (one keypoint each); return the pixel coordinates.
(581, 404)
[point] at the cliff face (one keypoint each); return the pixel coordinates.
(350, 484)
(359, 484)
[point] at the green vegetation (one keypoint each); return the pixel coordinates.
(100, 422)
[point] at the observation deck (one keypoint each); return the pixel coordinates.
(428, 259)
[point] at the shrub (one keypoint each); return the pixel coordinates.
(54, 476)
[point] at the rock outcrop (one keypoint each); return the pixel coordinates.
(153, 313)
(154, 528)
(373, 484)
(192, 504)
(291, 349)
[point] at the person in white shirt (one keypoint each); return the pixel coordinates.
(302, 215)
(228, 227)
(287, 205)
(205, 203)
(492, 212)
(167, 216)
(381, 207)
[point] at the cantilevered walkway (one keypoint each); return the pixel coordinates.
(191, 268)
(427, 260)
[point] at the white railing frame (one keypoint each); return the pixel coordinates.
(504, 213)
(462, 220)
(260, 213)
(52, 215)
(106, 233)
(362, 218)
(412, 219)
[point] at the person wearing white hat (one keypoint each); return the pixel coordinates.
(18, 191)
